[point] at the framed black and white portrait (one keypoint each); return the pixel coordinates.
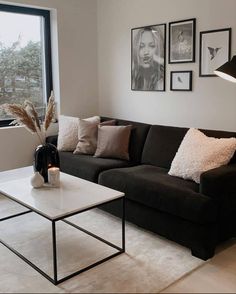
(182, 41)
(181, 80)
(215, 50)
(148, 46)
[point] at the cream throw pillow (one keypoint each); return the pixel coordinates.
(68, 131)
(198, 153)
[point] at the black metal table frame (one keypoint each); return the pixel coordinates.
(55, 280)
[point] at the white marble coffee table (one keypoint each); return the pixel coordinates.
(74, 196)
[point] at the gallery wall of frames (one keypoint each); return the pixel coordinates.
(149, 50)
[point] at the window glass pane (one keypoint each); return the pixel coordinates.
(22, 64)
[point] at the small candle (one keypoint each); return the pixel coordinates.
(54, 176)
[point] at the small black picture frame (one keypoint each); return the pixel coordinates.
(215, 50)
(181, 80)
(182, 35)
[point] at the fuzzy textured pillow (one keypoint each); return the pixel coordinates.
(68, 131)
(198, 153)
(113, 142)
(87, 135)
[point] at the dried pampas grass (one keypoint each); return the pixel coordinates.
(26, 115)
(21, 116)
(29, 107)
(49, 113)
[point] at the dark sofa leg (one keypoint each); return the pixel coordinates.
(203, 253)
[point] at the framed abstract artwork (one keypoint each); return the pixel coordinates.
(181, 80)
(215, 50)
(148, 58)
(182, 41)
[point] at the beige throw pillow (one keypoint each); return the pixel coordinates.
(87, 135)
(111, 122)
(198, 153)
(113, 142)
(68, 131)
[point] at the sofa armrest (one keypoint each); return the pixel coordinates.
(220, 183)
(52, 139)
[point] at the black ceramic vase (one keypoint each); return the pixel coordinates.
(46, 156)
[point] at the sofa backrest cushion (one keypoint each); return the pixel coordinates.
(161, 145)
(138, 136)
(163, 142)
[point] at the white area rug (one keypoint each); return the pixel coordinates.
(150, 263)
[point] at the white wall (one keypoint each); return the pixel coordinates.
(75, 65)
(211, 104)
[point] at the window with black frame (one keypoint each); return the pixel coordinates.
(25, 58)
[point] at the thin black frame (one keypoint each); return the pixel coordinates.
(47, 43)
(164, 76)
(200, 49)
(55, 280)
(190, 80)
(193, 44)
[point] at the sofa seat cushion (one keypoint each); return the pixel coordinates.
(153, 187)
(86, 166)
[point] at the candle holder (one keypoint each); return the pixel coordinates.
(54, 176)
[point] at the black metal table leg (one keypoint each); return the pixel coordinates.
(123, 223)
(54, 250)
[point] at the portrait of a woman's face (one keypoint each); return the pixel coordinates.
(148, 58)
(147, 49)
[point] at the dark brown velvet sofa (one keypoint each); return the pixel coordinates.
(198, 216)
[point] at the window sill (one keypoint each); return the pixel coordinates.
(53, 128)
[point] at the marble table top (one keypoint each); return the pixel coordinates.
(73, 195)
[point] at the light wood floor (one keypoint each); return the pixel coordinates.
(217, 275)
